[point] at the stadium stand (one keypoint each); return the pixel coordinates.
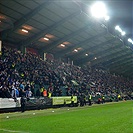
(27, 74)
(57, 48)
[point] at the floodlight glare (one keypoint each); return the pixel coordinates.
(117, 27)
(130, 40)
(120, 30)
(123, 33)
(107, 18)
(98, 10)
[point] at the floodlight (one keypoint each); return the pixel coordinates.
(75, 50)
(130, 40)
(98, 10)
(26, 31)
(107, 18)
(123, 33)
(62, 45)
(117, 27)
(45, 38)
(120, 30)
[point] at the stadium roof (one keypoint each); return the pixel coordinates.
(66, 29)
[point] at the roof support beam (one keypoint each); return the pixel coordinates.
(47, 30)
(24, 19)
(129, 73)
(125, 70)
(59, 41)
(115, 59)
(80, 54)
(120, 60)
(64, 52)
(121, 65)
(99, 54)
(111, 56)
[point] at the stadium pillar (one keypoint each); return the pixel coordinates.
(42, 54)
(22, 49)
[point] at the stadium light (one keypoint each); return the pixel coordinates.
(123, 33)
(120, 30)
(130, 40)
(117, 27)
(62, 45)
(75, 50)
(26, 31)
(107, 18)
(99, 10)
(45, 38)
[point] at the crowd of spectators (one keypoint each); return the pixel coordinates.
(28, 74)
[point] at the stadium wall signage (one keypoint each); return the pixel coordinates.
(63, 100)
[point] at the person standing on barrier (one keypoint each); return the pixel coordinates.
(90, 100)
(22, 101)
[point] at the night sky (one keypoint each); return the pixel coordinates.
(121, 13)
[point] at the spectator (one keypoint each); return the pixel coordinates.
(18, 73)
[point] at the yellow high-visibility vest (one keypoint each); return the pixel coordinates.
(90, 97)
(42, 89)
(49, 94)
(72, 99)
(22, 75)
(13, 65)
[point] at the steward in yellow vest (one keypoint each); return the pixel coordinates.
(119, 97)
(41, 90)
(49, 94)
(90, 97)
(103, 99)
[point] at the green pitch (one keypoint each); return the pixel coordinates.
(107, 118)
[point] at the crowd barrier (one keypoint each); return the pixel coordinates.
(9, 104)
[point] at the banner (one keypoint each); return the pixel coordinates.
(38, 102)
(63, 100)
(32, 102)
(9, 103)
(41, 102)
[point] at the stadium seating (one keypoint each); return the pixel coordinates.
(22, 72)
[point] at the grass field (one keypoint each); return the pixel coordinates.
(107, 118)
